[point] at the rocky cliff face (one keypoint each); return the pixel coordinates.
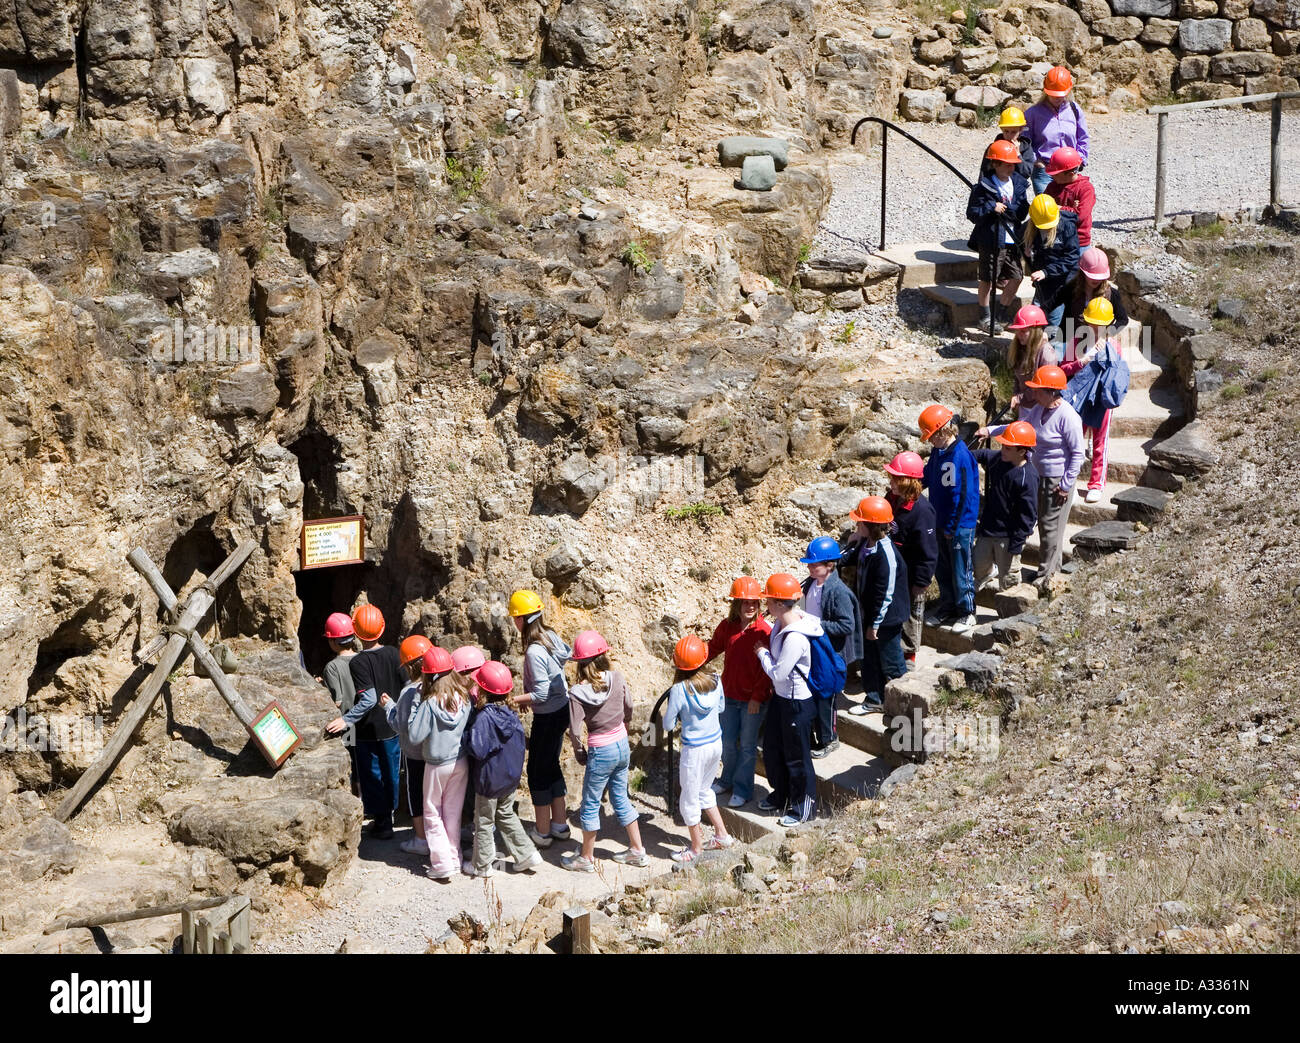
(467, 269)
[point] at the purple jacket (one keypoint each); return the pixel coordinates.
(1050, 130)
(1059, 452)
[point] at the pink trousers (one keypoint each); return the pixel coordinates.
(444, 797)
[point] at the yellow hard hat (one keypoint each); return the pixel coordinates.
(1044, 212)
(524, 603)
(1099, 312)
(1011, 117)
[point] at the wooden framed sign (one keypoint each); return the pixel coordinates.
(333, 541)
(274, 734)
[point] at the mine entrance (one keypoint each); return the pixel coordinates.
(321, 592)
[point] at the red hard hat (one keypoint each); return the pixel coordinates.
(1020, 433)
(368, 622)
(588, 645)
(690, 653)
(338, 625)
(436, 661)
(905, 465)
(932, 418)
(1058, 82)
(413, 647)
(1063, 159)
(467, 657)
(783, 587)
(1003, 151)
(746, 588)
(1027, 317)
(873, 509)
(494, 677)
(1050, 377)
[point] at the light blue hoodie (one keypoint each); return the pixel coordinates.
(544, 675)
(698, 712)
(437, 732)
(399, 715)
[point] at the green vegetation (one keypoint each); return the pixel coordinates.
(1214, 230)
(635, 256)
(805, 252)
(464, 180)
(699, 512)
(619, 179)
(846, 333)
(1231, 391)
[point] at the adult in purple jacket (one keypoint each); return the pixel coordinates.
(1055, 122)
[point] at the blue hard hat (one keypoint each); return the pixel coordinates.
(823, 548)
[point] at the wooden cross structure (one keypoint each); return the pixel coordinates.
(179, 635)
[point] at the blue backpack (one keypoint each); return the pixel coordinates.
(827, 673)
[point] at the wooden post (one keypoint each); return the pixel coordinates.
(577, 928)
(127, 915)
(218, 677)
(241, 927)
(1275, 166)
(203, 935)
(187, 931)
(1162, 124)
(196, 606)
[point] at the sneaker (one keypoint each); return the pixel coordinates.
(766, 805)
(441, 875)
(684, 857)
(788, 820)
(541, 840)
(819, 754)
(865, 707)
(560, 831)
(414, 846)
(718, 787)
(910, 662)
(737, 801)
(964, 624)
(936, 618)
(578, 864)
(719, 843)
(632, 857)
(833, 745)
(529, 864)
(1094, 496)
(467, 867)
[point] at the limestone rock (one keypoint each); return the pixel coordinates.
(1015, 600)
(921, 106)
(1144, 8)
(733, 151)
(1189, 452)
(1140, 504)
(988, 98)
(1204, 35)
(978, 669)
(1061, 28)
(1105, 537)
(1283, 13)
(758, 174)
(1124, 27)
(1159, 31)
(1251, 34)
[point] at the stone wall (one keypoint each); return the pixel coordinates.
(1123, 53)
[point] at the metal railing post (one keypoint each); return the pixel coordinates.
(884, 179)
(1275, 165)
(1162, 123)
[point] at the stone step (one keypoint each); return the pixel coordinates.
(844, 775)
(1126, 459)
(867, 733)
(1030, 555)
(1143, 372)
(1147, 412)
(747, 823)
(961, 299)
(947, 642)
(925, 264)
(1085, 514)
(1105, 538)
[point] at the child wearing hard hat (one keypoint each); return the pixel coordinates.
(602, 702)
(1052, 252)
(1054, 121)
(398, 713)
(337, 678)
(546, 694)
(1092, 280)
(695, 699)
(746, 689)
(787, 736)
(827, 597)
(494, 741)
(997, 207)
(1057, 456)
(376, 670)
(1072, 190)
(1010, 505)
(882, 589)
(954, 483)
(913, 531)
(1029, 349)
(1011, 126)
(1094, 341)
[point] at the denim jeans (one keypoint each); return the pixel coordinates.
(787, 756)
(606, 766)
(740, 732)
(1041, 180)
(379, 763)
(955, 572)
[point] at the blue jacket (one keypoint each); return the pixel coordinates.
(1099, 386)
(1057, 263)
(1010, 500)
(882, 586)
(954, 483)
(990, 225)
(913, 533)
(698, 711)
(495, 742)
(841, 618)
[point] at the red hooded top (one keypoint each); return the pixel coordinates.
(743, 678)
(1079, 196)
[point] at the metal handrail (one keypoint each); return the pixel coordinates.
(884, 160)
(662, 741)
(1161, 112)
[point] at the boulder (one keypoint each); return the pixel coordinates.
(987, 98)
(936, 51)
(1251, 34)
(1197, 8)
(1194, 68)
(1062, 29)
(1205, 35)
(975, 60)
(1015, 600)
(1091, 10)
(1285, 14)
(1190, 452)
(1139, 282)
(1159, 32)
(1243, 63)
(921, 106)
(1144, 8)
(575, 483)
(924, 77)
(898, 777)
(1141, 504)
(1119, 27)
(1015, 630)
(758, 174)
(204, 88)
(828, 502)
(1105, 538)
(734, 150)
(977, 670)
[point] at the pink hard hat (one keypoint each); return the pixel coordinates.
(467, 657)
(1094, 264)
(588, 645)
(338, 626)
(905, 465)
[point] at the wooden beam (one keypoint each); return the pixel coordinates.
(141, 562)
(1162, 125)
(577, 929)
(1275, 156)
(126, 915)
(1224, 103)
(218, 678)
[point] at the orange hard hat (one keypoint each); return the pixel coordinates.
(690, 653)
(746, 588)
(1058, 82)
(1020, 433)
(1003, 151)
(1049, 377)
(932, 419)
(413, 647)
(873, 509)
(783, 587)
(368, 622)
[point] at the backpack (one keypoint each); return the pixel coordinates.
(827, 673)
(1113, 385)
